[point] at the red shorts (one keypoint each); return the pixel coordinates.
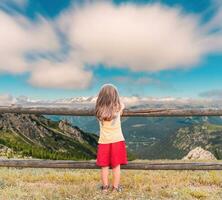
(111, 154)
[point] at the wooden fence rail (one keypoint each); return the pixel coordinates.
(58, 110)
(131, 165)
(126, 112)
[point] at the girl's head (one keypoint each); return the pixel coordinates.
(107, 103)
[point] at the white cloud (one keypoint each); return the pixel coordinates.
(66, 74)
(151, 37)
(6, 99)
(19, 36)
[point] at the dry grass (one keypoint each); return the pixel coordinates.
(67, 184)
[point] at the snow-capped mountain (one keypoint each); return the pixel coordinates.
(129, 101)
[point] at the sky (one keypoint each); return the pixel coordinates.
(168, 48)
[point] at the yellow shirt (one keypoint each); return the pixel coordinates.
(111, 131)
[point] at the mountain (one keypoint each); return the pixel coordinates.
(152, 137)
(145, 136)
(39, 137)
(157, 138)
(132, 102)
(179, 143)
(206, 135)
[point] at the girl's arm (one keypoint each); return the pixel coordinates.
(122, 107)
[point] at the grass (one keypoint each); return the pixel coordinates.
(67, 184)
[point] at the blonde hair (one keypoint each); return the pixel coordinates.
(107, 103)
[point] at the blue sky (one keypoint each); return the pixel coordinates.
(56, 52)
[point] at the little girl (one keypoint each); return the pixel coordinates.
(111, 151)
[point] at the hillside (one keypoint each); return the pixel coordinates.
(39, 137)
(206, 135)
(162, 137)
(178, 144)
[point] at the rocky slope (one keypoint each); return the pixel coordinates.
(181, 142)
(37, 136)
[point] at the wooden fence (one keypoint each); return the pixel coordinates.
(151, 165)
(59, 110)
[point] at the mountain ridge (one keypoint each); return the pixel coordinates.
(43, 138)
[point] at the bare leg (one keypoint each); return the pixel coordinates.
(104, 175)
(116, 176)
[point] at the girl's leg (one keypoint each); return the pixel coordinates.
(104, 175)
(116, 175)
